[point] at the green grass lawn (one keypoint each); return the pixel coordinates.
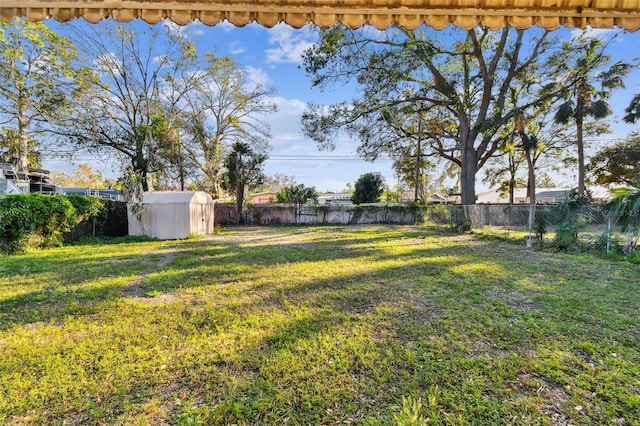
(371, 325)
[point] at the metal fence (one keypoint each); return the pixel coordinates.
(480, 216)
(564, 226)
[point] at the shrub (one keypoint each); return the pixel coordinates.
(572, 216)
(634, 257)
(87, 207)
(540, 222)
(40, 219)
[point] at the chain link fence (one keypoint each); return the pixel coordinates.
(563, 226)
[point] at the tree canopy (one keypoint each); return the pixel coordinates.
(222, 109)
(458, 81)
(36, 82)
(297, 194)
(618, 163)
(134, 82)
(163, 107)
(368, 188)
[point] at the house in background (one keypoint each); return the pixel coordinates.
(264, 197)
(28, 179)
(8, 186)
(335, 199)
(443, 199)
(551, 196)
(112, 194)
(543, 196)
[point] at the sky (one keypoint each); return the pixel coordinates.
(272, 56)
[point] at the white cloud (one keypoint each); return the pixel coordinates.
(601, 33)
(257, 77)
(236, 48)
(371, 32)
(192, 29)
(285, 125)
(290, 44)
(226, 26)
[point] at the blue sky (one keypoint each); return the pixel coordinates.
(273, 57)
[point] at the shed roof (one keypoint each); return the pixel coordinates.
(495, 14)
(175, 197)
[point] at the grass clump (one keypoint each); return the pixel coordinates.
(369, 325)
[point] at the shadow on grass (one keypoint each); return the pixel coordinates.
(75, 285)
(406, 309)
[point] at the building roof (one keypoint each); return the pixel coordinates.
(177, 197)
(543, 195)
(438, 14)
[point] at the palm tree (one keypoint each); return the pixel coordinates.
(583, 99)
(633, 110)
(244, 169)
(626, 210)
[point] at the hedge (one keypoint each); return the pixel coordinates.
(38, 221)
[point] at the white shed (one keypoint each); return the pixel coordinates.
(170, 215)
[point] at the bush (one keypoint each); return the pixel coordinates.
(572, 216)
(540, 222)
(634, 257)
(34, 220)
(566, 237)
(87, 208)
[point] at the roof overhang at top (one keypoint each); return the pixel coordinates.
(495, 14)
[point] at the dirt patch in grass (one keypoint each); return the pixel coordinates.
(136, 287)
(551, 398)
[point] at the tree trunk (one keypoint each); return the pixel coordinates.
(418, 195)
(145, 184)
(511, 192)
(531, 189)
(239, 200)
(23, 139)
(468, 175)
(512, 179)
(181, 169)
(580, 144)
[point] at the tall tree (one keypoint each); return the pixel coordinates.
(368, 188)
(584, 98)
(416, 171)
(136, 81)
(225, 108)
(549, 152)
(459, 79)
(36, 81)
(243, 171)
(502, 171)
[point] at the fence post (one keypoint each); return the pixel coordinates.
(609, 232)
